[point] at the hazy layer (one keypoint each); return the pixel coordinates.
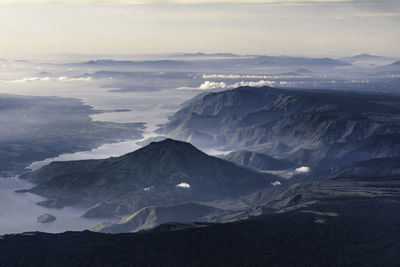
(102, 152)
(18, 212)
(144, 96)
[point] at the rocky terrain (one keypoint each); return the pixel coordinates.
(320, 129)
(352, 183)
(258, 161)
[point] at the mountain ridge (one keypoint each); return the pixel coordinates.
(286, 123)
(165, 172)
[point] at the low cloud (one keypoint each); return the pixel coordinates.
(302, 169)
(183, 185)
(276, 183)
(50, 79)
(287, 174)
(253, 84)
(208, 85)
(249, 76)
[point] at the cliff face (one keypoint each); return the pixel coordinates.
(290, 123)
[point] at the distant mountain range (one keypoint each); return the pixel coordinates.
(321, 129)
(139, 80)
(162, 173)
(298, 61)
(206, 55)
(162, 63)
(394, 67)
(207, 61)
(367, 57)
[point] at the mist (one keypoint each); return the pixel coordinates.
(78, 108)
(18, 212)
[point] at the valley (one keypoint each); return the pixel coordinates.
(199, 133)
(235, 169)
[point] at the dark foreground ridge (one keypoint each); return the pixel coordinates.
(366, 233)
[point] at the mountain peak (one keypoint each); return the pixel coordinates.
(168, 145)
(167, 172)
(170, 142)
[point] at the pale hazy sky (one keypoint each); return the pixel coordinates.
(290, 27)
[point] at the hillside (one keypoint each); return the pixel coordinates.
(258, 161)
(364, 234)
(150, 217)
(307, 127)
(373, 181)
(162, 173)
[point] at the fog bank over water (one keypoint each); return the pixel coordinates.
(150, 107)
(18, 212)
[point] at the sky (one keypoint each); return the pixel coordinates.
(270, 27)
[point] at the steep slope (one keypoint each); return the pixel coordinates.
(373, 180)
(258, 161)
(162, 173)
(305, 195)
(151, 217)
(375, 169)
(303, 126)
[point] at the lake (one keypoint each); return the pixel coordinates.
(18, 212)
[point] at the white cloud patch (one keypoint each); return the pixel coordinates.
(183, 185)
(249, 76)
(208, 85)
(253, 84)
(276, 183)
(302, 169)
(49, 79)
(287, 174)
